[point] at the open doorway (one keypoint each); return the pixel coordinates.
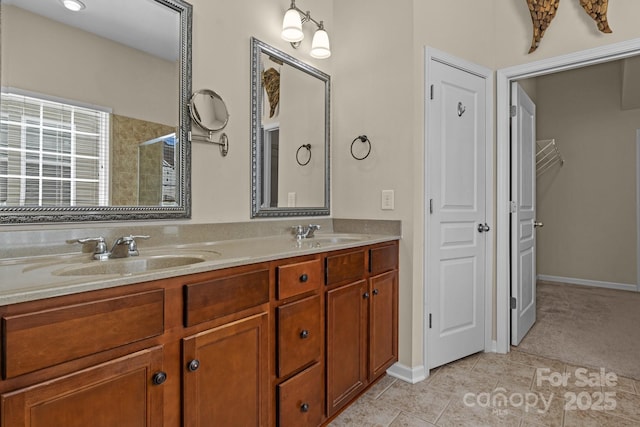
(504, 79)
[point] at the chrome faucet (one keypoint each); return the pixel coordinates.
(123, 247)
(126, 246)
(304, 232)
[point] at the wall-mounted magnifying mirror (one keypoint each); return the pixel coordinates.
(208, 110)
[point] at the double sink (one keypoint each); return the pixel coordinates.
(154, 259)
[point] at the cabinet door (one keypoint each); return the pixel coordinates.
(383, 344)
(117, 393)
(347, 308)
(226, 377)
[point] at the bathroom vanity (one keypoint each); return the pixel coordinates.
(268, 340)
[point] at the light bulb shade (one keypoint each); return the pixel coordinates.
(320, 45)
(292, 26)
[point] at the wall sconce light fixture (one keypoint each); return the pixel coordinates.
(292, 31)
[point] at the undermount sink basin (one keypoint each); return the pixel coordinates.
(126, 266)
(335, 239)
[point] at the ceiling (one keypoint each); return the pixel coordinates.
(141, 24)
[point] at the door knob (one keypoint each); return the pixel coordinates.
(538, 224)
(483, 228)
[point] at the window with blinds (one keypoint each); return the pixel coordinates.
(52, 154)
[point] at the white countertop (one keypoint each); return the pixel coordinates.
(33, 278)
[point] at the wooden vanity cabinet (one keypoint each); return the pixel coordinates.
(282, 343)
(362, 320)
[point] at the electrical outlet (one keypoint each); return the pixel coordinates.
(387, 200)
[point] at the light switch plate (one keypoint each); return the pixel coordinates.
(388, 202)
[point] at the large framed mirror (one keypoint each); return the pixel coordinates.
(290, 135)
(94, 116)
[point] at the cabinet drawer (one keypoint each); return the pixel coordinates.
(300, 399)
(298, 278)
(216, 298)
(384, 258)
(299, 334)
(46, 338)
(343, 267)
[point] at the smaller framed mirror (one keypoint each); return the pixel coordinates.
(289, 109)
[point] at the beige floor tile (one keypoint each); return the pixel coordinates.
(452, 380)
(595, 419)
(366, 413)
(406, 420)
(546, 412)
(627, 406)
(506, 372)
(461, 414)
(419, 400)
(378, 388)
(536, 361)
(466, 362)
(626, 385)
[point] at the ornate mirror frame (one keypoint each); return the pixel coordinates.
(27, 215)
(257, 210)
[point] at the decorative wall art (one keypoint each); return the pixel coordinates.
(543, 11)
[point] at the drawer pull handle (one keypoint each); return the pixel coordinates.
(304, 334)
(366, 295)
(304, 278)
(159, 378)
(193, 365)
(376, 292)
(304, 407)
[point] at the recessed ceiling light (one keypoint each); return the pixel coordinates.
(73, 5)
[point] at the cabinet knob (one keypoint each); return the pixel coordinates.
(159, 378)
(366, 295)
(193, 365)
(376, 292)
(304, 334)
(304, 278)
(304, 407)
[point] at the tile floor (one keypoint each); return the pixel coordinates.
(486, 389)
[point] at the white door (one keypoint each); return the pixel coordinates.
(457, 224)
(523, 214)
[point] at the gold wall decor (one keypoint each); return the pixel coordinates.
(542, 13)
(597, 9)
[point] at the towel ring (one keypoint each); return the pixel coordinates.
(362, 138)
(308, 147)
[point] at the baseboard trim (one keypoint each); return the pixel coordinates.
(410, 375)
(585, 282)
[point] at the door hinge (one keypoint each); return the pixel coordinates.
(514, 303)
(431, 92)
(429, 320)
(513, 111)
(513, 208)
(431, 206)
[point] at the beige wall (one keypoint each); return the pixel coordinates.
(588, 206)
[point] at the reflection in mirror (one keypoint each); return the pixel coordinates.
(290, 108)
(208, 110)
(85, 96)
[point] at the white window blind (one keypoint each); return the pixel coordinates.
(52, 154)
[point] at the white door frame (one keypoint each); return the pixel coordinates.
(487, 75)
(504, 77)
